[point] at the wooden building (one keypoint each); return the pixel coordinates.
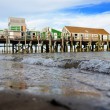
(33, 34)
(86, 39)
(2, 34)
(54, 33)
(84, 33)
(16, 27)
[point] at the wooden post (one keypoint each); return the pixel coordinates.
(102, 46)
(74, 48)
(77, 47)
(92, 47)
(66, 46)
(90, 43)
(31, 49)
(107, 43)
(22, 48)
(12, 48)
(25, 41)
(55, 46)
(88, 46)
(42, 47)
(62, 44)
(9, 45)
(50, 42)
(71, 43)
(99, 42)
(6, 34)
(47, 48)
(4, 47)
(35, 48)
(19, 47)
(80, 44)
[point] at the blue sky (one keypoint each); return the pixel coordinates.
(89, 9)
(57, 13)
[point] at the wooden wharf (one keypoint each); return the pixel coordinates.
(18, 39)
(51, 46)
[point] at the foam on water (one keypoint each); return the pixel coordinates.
(65, 63)
(96, 65)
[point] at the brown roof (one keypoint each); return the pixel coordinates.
(73, 29)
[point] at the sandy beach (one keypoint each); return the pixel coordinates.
(42, 82)
(18, 100)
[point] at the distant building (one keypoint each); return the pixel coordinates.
(16, 27)
(55, 34)
(33, 34)
(86, 33)
(2, 34)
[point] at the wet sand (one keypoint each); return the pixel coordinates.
(19, 100)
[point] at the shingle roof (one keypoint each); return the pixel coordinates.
(73, 29)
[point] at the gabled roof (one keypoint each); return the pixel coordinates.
(73, 29)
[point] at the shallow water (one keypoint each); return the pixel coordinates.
(66, 74)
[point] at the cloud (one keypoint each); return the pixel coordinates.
(17, 7)
(59, 21)
(40, 14)
(101, 20)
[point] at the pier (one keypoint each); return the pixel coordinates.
(51, 46)
(18, 39)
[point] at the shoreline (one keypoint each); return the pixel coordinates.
(20, 100)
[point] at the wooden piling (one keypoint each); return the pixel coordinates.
(47, 48)
(4, 47)
(31, 47)
(13, 48)
(80, 44)
(71, 43)
(35, 48)
(19, 47)
(62, 44)
(42, 48)
(108, 43)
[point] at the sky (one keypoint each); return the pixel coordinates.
(57, 13)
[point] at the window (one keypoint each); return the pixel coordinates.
(33, 33)
(81, 35)
(22, 33)
(76, 35)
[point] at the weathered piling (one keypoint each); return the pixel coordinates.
(50, 42)
(80, 46)
(71, 43)
(108, 43)
(51, 45)
(62, 43)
